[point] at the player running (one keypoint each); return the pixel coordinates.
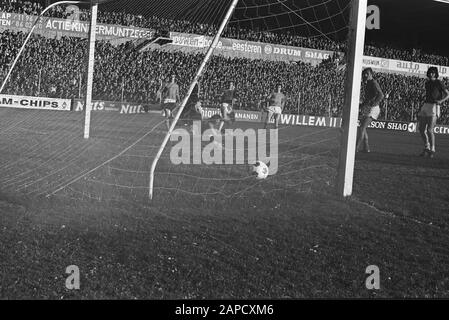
(436, 95)
(170, 99)
(276, 103)
(370, 107)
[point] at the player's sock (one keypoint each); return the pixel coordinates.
(366, 145)
(214, 131)
(221, 126)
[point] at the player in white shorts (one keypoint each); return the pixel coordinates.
(436, 95)
(276, 103)
(370, 108)
(170, 100)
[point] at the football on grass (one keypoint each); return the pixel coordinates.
(260, 170)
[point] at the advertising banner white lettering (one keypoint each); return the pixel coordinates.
(393, 125)
(52, 27)
(286, 119)
(309, 121)
(97, 105)
(132, 108)
(248, 49)
(240, 115)
(402, 67)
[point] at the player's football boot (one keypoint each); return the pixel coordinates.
(425, 153)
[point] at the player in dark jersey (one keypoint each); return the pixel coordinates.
(170, 99)
(227, 100)
(276, 102)
(192, 110)
(436, 95)
(193, 105)
(370, 108)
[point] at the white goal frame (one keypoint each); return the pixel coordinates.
(356, 43)
(189, 92)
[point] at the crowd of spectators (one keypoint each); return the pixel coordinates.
(232, 31)
(55, 68)
(404, 95)
(414, 55)
(22, 7)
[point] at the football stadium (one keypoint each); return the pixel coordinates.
(200, 149)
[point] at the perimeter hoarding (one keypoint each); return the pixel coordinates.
(24, 102)
(317, 121)
(402, 67)
(248, 49)
(97, 105)
(53, 27)
(286, 119)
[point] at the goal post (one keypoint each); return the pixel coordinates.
(189, 92)
(345, 173)
(90, 68)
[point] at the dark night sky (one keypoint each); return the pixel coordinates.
(404, 23)
(413, 23)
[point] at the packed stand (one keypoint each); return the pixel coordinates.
(55, 68)
(232, 31)
(414, 55)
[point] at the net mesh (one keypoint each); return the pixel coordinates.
(51, 159)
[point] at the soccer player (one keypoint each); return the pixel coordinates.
(370, 107)
(192, 109)
(227, 100)
(436, 94)
(159, 92)
(276, 103)
(192, 106)
(170, 99)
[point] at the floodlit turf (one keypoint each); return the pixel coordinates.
(213, 231)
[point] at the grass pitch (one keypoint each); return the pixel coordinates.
(213, 231)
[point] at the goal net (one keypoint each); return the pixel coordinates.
(140, 46)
